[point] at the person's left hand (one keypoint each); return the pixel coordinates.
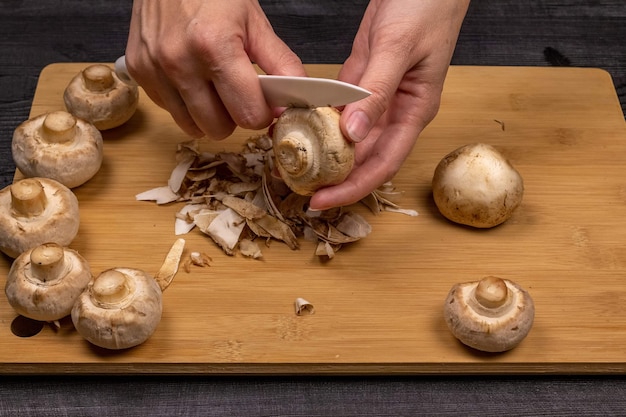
(401, 53)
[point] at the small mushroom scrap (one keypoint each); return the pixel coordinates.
(96, 94)
(311, 151)
(120, 308)
(60, 146)
(45, 281)
(477, 186)
(34, 211)
(492, 315)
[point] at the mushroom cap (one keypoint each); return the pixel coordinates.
(492, 315)
(476, 185)
(119, 309)
(310, 149)
(45, 281)
(60, 146)
(97, 94)
(55, 218)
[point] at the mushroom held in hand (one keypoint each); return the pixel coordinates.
(310, 149)
(475, 185)
(96, 94)
(58, 145)
(492, 315)
(34, 211)
(120, 308)
(45, 281)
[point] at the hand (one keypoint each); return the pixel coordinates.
(193, 58)
(401, 53)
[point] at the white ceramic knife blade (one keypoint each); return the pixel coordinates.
(287, 91)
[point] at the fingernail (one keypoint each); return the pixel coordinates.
(358, 126)
(310, 212)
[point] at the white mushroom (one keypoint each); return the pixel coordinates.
(311, 151)
(98, 95)
(121, 308)
(476, 185)
(60, 146)
(34, 211)
(45, 281)
(492, 315)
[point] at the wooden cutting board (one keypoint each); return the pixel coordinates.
(379, 301)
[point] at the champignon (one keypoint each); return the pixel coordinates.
(45, 281)
(60, 146)
(311, 151)
(476, 185)
(34, 211)
(492, 315)
(96, 94)
(120, 308)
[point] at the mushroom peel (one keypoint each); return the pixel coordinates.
(45, 281)
(58, 145)
(476, 185)
(34, 211)
(492, 315)
(311, 151)
(120, 308)
(96, 94)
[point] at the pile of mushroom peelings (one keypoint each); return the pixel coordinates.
(237, 199)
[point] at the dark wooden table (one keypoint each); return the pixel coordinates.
(581, 33)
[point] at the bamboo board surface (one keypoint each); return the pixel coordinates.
(379, 301)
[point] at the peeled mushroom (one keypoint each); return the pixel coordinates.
(120, 308)
(492, 315)
(96, 94)
(34, 211)
(476, 185)
(45, 281)
(310, 149)
(60, 146)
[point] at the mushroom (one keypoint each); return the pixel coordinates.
(45, 281)
(60, 146)
(492, 315)
(119, 309)
(34, 211)
(311, 151)
(98, 95)
(476, 185)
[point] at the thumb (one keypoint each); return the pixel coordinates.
(381, 77)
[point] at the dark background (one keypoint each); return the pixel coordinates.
(580, 33)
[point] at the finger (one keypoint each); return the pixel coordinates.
(239, 89)
(361, 181)
(205, 107)
(158, 87)
(168, 98)
(378, 158)
(381, 76)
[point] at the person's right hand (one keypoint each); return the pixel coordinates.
(193, 58)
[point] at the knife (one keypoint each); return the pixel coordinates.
(289, 91)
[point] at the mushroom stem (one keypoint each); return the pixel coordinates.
(112, 288)
(310, 150)
(98, 78)
(47, 262)
(28, 198)
(58, 127)
(294, 153)
(491, 292)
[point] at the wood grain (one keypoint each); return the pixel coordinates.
(379, 302)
